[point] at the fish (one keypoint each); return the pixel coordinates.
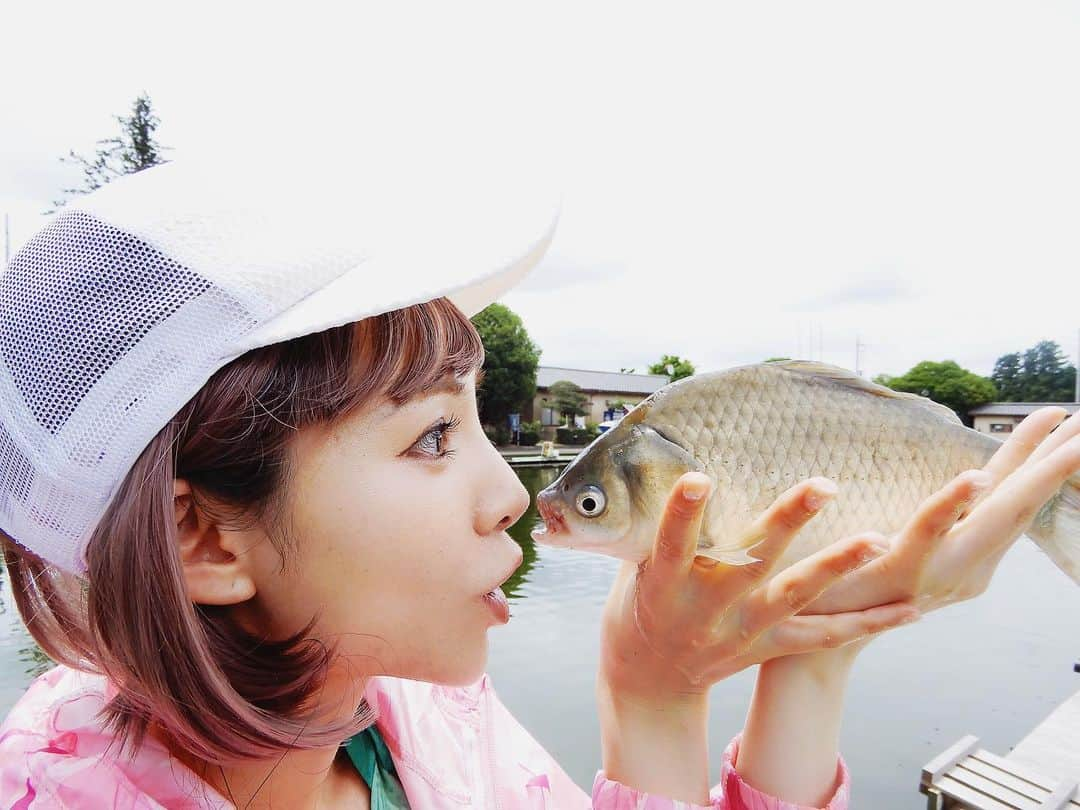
(758, 430)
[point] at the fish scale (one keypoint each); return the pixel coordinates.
(759, 430)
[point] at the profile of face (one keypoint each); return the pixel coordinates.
(400, 515)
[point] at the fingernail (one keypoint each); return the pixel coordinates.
(695, 489)
(911, 618)
(874, 550)
(822, 492)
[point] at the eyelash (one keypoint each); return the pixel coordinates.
(439, 432)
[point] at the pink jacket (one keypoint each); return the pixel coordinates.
(452, 747)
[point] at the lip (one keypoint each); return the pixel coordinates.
(553, 519)
(517, 564)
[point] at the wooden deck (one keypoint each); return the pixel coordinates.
(516, 459)
(1041, 772)
(1053, 747)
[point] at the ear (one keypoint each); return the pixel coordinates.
(218, 568)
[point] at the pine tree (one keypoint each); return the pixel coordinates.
(1039, 374)
(675, 367)
(1007, 377)
(133, 150)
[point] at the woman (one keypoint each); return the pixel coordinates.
(310, 533)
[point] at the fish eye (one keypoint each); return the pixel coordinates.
(590, 501)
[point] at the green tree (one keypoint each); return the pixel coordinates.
(510, 360)
(568, 398)
(1008, 377)
(1048, 376)
(1039, 374)
(133, 150)
(949, 384)
(673, 366)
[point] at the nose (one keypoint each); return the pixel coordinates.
(508, 501)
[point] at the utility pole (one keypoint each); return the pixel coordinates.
(859, 345)
(810, 343)
(7, 240)
(1076, 395)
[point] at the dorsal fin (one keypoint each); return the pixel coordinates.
(843, 376)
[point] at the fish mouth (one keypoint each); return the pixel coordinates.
(554, 522)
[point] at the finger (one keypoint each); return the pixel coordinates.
(1065, 431)
(1016, 502)
(676, 539)
(801, 634)
(940, 512)
(796, 587)
(774, 530)
(1023, 441)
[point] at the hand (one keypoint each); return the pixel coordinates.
(679, 622)
(951, 546)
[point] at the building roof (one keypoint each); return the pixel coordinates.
(595, 381)
(1019, 408)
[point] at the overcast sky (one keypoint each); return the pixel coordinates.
(737, 177)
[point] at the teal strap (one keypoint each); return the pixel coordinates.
(372, 759)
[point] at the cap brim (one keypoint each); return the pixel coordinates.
(472, 272)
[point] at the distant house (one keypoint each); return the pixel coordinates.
(1001, 417)
(610, 393)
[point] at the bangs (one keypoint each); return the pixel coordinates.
(405, 352)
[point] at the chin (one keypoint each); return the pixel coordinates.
(461, 670)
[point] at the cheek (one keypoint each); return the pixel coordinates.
(378, 550)
(370, 511)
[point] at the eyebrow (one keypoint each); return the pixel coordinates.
(447, 384)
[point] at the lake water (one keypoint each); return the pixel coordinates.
(993, 667)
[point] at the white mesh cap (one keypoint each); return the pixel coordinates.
(117, 312)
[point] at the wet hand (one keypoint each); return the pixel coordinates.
(950, 548)
(679, 622)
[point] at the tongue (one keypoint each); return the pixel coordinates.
(499, 602)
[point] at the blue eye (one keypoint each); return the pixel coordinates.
(433, 442)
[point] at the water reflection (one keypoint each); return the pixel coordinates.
(21, 659)
(534, 479)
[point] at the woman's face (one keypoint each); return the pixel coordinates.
(401, 527)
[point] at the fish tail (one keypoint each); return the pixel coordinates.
(1057, 528)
